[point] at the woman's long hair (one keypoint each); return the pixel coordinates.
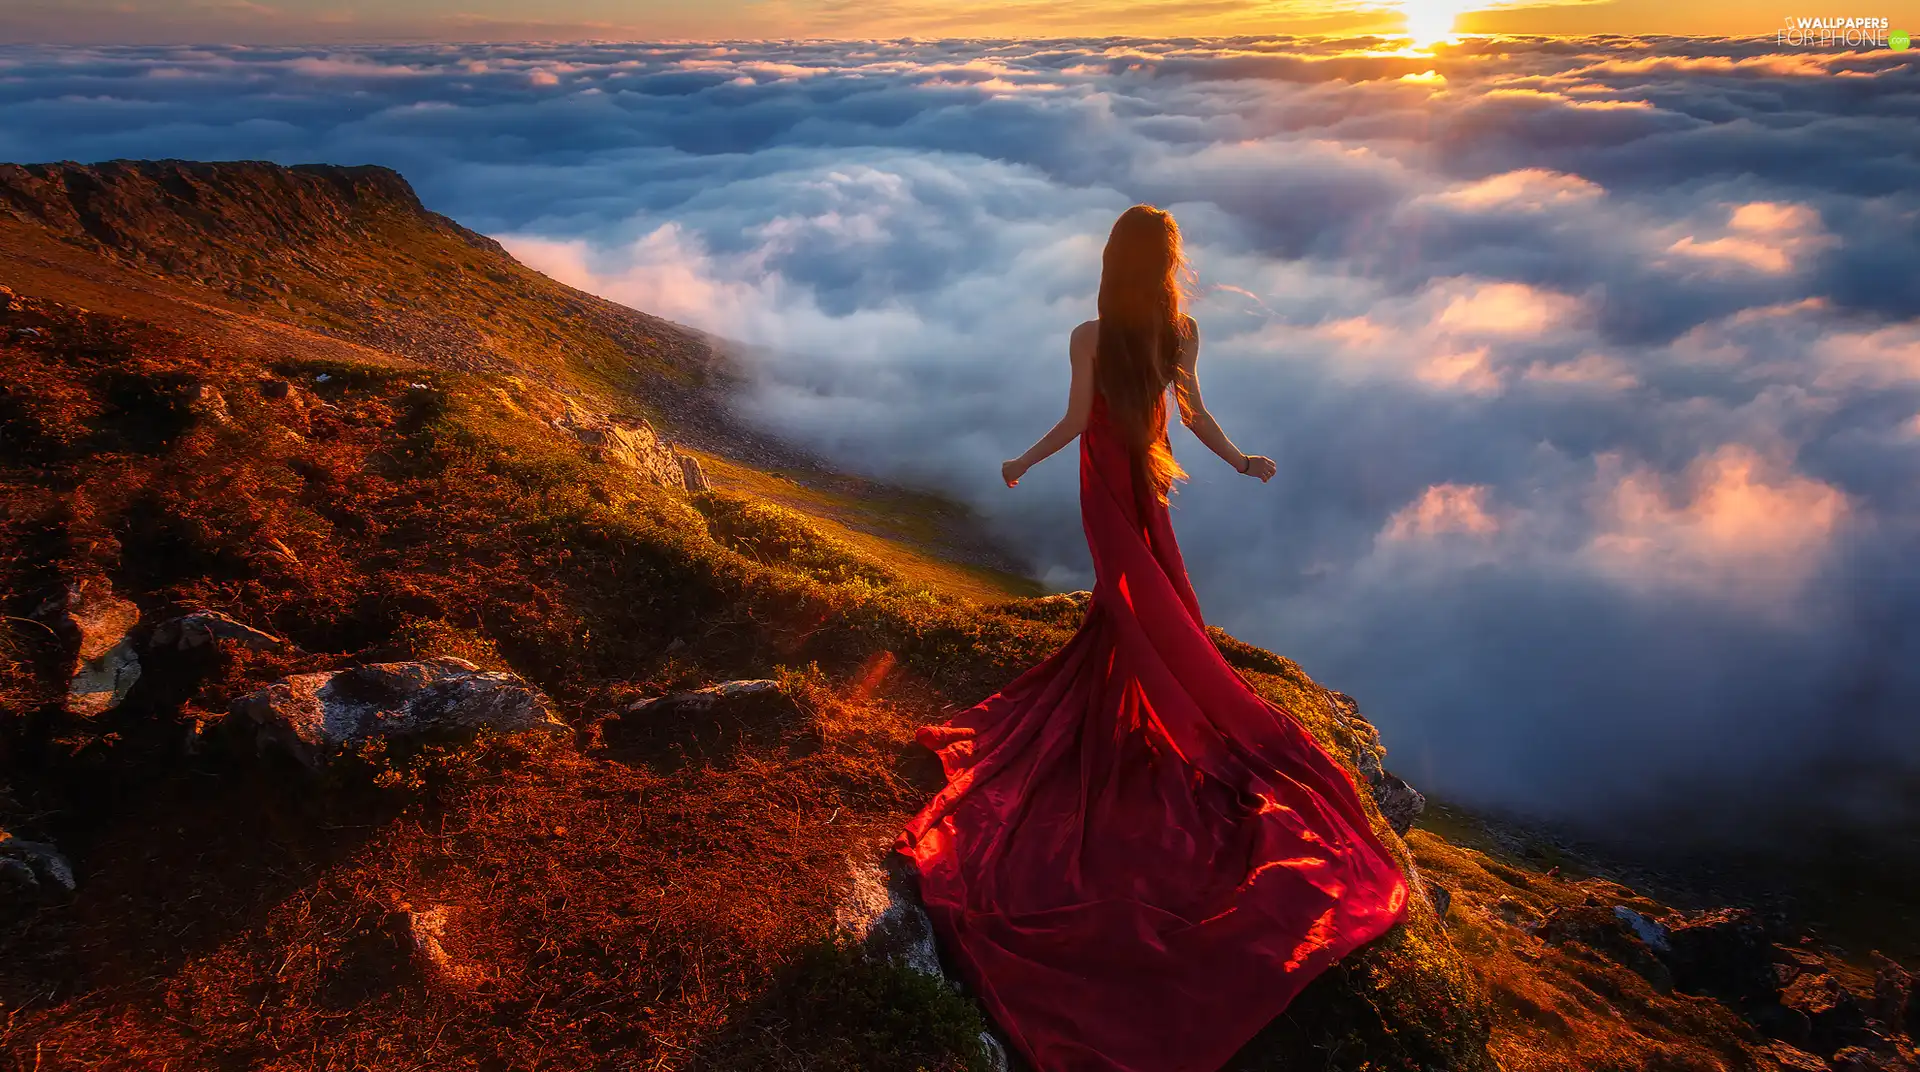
(1141, 331)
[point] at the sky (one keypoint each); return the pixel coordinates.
(385, 21)
(1591, 366)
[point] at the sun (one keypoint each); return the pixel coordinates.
(1431, 21)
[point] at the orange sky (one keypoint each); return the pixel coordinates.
(863, 18)
(318, 21)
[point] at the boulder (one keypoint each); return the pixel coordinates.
(204, 627)
(1399, 803)
(1723, 953)
(98, 624)
(314, 716)
(692, 475)
(1833, 1015)
(1650, 931)
(34, 865)
(1608, 934)
(882, 911)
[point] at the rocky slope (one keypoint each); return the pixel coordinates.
(363, 699)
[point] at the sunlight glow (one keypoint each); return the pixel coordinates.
(1432, 21)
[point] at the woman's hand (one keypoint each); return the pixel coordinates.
(1012, 471)
(1259, 465)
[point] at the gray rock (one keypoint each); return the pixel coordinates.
(203, 627)
(106, 664)
(34, 864)
(882, 911)
(1650, 931)
(1400, 804)
(1442, 899)
(1608, 934)
(314, 716)
(691, 474)
(704, 699)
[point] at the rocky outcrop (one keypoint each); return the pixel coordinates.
(1834, 1019)
(1724, 953)
(1399, 803)
(1610, 934)
(314, 716)
(629, 443)
(99, 625)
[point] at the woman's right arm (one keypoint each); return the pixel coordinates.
(1194, 414)
(1080, 350)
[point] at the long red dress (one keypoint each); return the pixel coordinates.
(1137, 861)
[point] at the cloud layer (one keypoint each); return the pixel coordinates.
(1592, 367)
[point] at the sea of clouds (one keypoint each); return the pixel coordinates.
(1592, 367)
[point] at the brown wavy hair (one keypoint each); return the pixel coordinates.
(1141, 332)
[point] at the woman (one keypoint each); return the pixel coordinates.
(1137, 862)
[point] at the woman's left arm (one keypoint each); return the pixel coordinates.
(1080, 349)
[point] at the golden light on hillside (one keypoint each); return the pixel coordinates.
(1430, 22)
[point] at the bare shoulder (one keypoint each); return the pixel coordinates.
(1085, 339)
(1189, 340)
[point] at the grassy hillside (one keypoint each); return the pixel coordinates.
(632, 893)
